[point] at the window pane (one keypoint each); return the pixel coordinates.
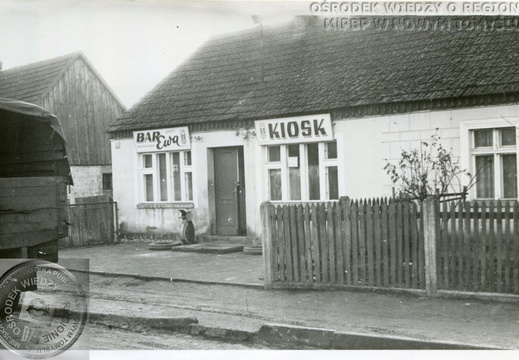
(331, 150)
(509, 164)
(176, 177)
(507, 136)
(483, 138)
(147, 161)
(275, 184)
(294, 172)
(333, 183)
(189, 186)
(274, 154)
(313, 171)
(163, 178)
(148, 183)
(187, 158)
(107, 181)
(485, 176)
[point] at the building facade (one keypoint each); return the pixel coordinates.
(298, 113)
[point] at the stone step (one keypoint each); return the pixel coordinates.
(222, 239)
(209, 248)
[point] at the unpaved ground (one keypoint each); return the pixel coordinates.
(104, 338)
(137, 259)
(470, 322)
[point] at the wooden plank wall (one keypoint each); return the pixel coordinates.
(91, 222)
(31, 211)
(85, 108)
(27, 148)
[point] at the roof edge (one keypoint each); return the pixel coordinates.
(80, 55)
(101, 79)
(355, 111)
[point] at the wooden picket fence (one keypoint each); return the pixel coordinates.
(478, 246)
(454, 246)
(376, 243)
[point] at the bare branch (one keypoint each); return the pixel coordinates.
(428, 170)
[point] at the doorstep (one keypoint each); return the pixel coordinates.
(225, 239)
(209, 248)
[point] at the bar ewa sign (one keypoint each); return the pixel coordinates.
(172, 139)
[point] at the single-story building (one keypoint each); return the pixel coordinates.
(302, 112)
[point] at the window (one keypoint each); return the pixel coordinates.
(107, 181)
(302, 172)
(494, 159)
(166, 177)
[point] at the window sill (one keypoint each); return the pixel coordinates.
(176, 205)
(503, 200)
(290, 202)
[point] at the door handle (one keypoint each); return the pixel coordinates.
(236, 188)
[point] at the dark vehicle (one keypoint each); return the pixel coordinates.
(34, 174)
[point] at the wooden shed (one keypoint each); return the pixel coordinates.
(34, 173)
(71, 88)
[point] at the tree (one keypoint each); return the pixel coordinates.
(429, 170)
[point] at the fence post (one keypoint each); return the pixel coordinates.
(430, 220)
(115, 218)
(266, 218)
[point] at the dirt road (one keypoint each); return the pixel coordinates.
(471, 322)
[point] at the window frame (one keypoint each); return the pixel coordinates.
(154, 171)
(496, 150)
(467, 156)
(107, 179)
(324, 164)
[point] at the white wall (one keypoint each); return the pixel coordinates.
(124, 176)
(364, 145)
(166, 220)
(368, 142)
(88, 181)
(362, 156)
(202, 142)
(125, 192)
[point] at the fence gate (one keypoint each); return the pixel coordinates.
(92, 221)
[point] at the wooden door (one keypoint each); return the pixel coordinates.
(226, 176)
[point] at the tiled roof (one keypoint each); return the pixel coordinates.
(30, 82)
(310, 69)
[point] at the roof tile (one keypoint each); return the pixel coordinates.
(311, 69)
(30, 82)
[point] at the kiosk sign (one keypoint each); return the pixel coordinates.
(298, 129)
(162, 139)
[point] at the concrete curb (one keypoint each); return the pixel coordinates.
(283, 336)
(221, 333)
(481, 296)
(286, 335)
(159, 278)
(185, 325)
(446, 294)
(127, 322)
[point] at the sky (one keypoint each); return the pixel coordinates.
(133, 44)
